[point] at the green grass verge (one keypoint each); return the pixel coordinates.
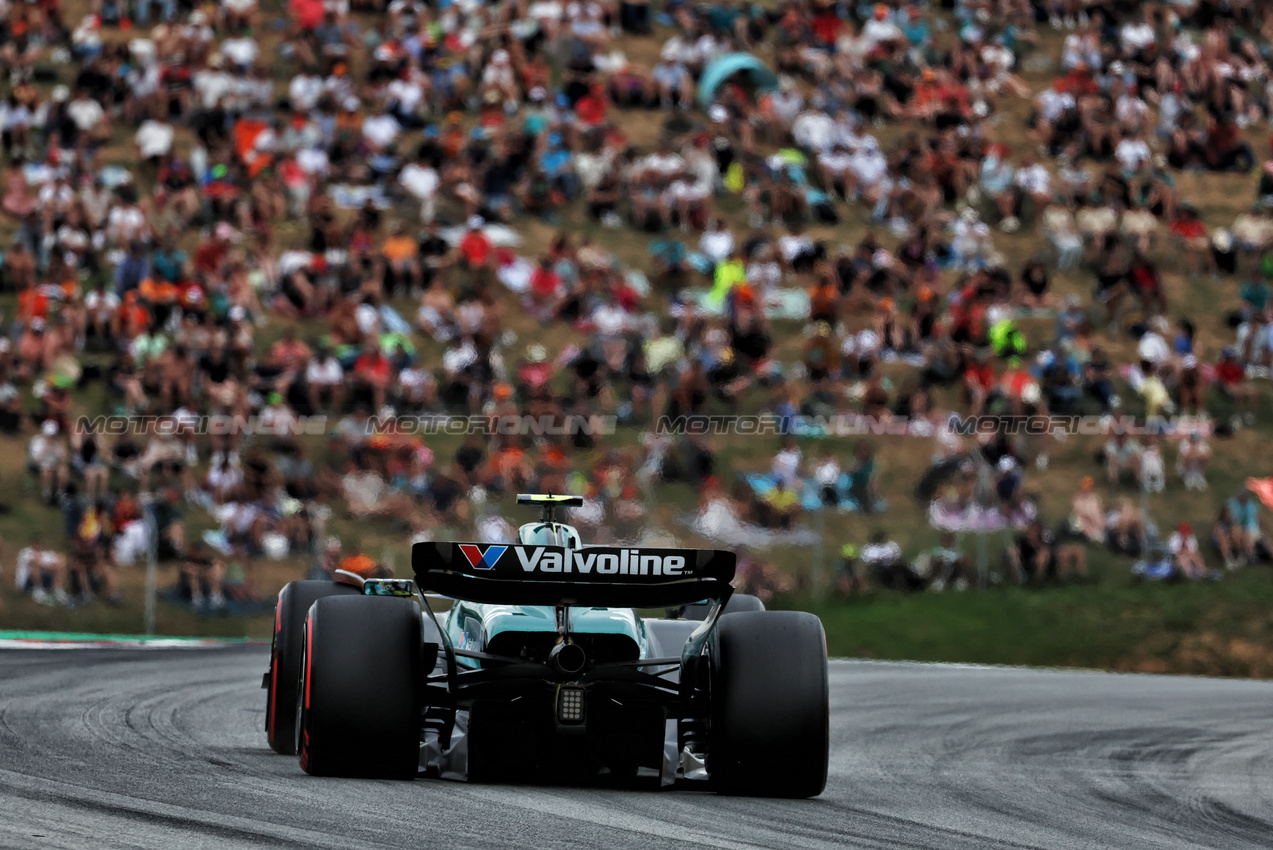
(88, 637)
(21, 614)
(1213, 627)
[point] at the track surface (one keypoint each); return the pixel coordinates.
(164, 749)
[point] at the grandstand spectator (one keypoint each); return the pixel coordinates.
(1062, 232)
(1226, 536)
(1139, 226)
(1191, 463)
(47, 458)
(1248, 535)
(1224, 149)
(827, 475)
(997, 176)
(1087, 516)
(849, 573)
(1036, 555)
(324, 379)
(1035, 284)
(781, 505)
(41, 573)
(1152, 474)
(1125, 528)
(883, 559)
(1186, 559)
(165, 456)
(1122, 457)
(90, 563)
(202, 574)
(1232, 383)
(1192, 236)
(760, 578)
(947, 565)
(1253, 231)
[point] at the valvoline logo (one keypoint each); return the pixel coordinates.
(479, 559)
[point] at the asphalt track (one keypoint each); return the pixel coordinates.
(164, 749)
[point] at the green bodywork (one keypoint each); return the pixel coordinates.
(472, 625)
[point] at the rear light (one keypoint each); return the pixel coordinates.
(570, 706)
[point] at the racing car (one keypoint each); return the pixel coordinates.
(544, 664)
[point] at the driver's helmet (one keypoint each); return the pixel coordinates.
(548, 534)
(355, 570)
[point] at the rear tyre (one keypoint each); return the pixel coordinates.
(360, 688)
(739, 603)
(742, 603)
(770, 717)
(285, 658)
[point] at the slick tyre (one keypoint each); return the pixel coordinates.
(742, 603)
(770, 717)
(360, 688)
(739, 603)
(284, 674)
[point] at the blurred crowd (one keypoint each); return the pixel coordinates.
(240, 210)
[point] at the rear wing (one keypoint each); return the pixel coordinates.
(549, 499)
(610, 577)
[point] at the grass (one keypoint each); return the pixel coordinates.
(1223, 628)
(1211, 628)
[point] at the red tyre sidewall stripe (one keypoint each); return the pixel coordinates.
(309, 664)
(309, 655)
(278, 623)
